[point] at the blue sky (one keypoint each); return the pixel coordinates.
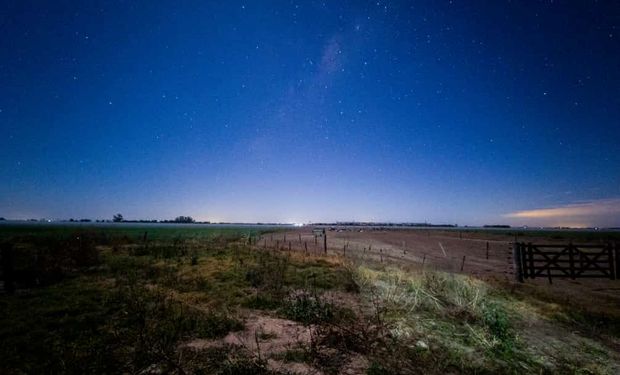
(440, 111)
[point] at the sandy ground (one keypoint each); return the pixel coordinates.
(268, 336)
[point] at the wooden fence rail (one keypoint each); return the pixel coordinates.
(566, 261)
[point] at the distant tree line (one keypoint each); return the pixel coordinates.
(380, 224)
(180, 219)
(118, 218)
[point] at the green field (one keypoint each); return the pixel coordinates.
(108, 299)
(134, 231)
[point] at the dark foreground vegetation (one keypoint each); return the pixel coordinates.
(174, 300)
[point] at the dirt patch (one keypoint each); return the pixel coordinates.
(271, 338)
(264, 334)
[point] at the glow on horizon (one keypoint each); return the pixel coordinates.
(601, 212)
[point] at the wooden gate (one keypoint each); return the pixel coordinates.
(566, 261)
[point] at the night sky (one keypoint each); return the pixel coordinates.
(467, 112)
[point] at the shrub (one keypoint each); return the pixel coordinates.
(496, 320)
(308, 309)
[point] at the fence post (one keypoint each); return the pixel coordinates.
(324, 241)
(571, 261)
(7, 267)
(611, 260)
(617, 256)
(516, 258)
(530, 254)
(487, 250)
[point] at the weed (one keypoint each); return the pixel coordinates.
(497, 321)
(308, 309)
(194, 260)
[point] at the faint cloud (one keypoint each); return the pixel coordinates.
(603, 212)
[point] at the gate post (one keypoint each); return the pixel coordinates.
(610, 257)
(516, 259)
(530, 256)
(571, 260)
(617, 255)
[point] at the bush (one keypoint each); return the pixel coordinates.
(268, 275)
(308, 309)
